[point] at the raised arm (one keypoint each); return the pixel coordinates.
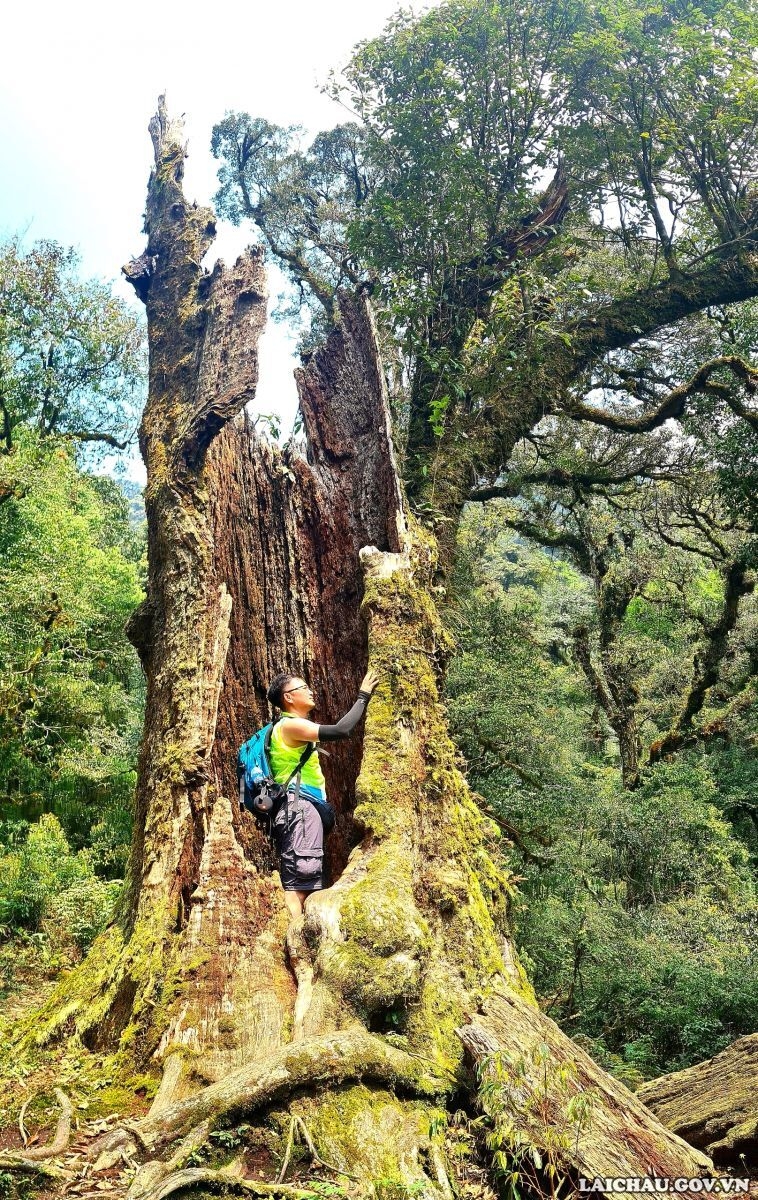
(298, 730)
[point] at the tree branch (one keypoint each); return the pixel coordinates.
(91, 435)
(7, 433)
(297, 264)
(558, 477)
(675, 403)
(707, 662)
(554, 540)
(624, 321)
(527, 239)
(583, 655)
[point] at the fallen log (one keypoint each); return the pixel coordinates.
(714, 1105)
(616, 1135)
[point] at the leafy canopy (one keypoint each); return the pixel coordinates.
(466, 112)
(72, 356)
(637, 916)
(530, 192)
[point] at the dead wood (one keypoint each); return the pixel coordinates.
(622, 1138)
(714, 1105)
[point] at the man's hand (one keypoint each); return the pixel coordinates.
(369, 682)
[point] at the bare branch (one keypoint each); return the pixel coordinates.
(738, 583)
(296, 262)
(553, 539)
(675, 403)
(91, 435)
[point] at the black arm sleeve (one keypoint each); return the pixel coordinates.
(346, 724)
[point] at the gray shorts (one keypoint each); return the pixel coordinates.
(301, 846)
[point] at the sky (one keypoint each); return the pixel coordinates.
(80, 81)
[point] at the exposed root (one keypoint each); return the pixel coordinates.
(300, 1124)
(297, 1123)
(302, 966)
(349, 1055)
(118, 1146)
(172, 1071)
(151, 1174)
(196, 1138)
(27, 1160)
(440, 1171)
(21, 1126)
(287, 1152)
(21, 1162)
(225, 1180)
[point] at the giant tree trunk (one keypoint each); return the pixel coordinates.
(261, 561)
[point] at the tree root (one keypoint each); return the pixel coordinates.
(347, 1056)
(341, 1057)
(440, 1171)
(21, 1126)
(19, 1162)
(287, 1152)
(316, 1159)
(620, 1138)
(119, 1145)
(302, 968)
(226, 1180)
(29, 1158)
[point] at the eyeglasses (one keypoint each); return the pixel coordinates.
(299, 688)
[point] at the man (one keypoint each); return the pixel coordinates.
(298, 825)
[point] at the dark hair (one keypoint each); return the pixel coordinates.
(278, 687)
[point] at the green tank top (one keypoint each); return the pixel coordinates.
(283, 760)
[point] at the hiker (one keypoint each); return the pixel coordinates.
(299, 824)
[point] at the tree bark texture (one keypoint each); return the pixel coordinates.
(622, 1137)
(261, 560)
(714, 1105)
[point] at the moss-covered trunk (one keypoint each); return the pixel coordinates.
(262, 560)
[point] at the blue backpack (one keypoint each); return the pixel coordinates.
(259, 792)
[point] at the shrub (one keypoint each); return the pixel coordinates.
(42, 878)
(82, 910)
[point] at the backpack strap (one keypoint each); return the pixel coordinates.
(267, 739)
(304, 757)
